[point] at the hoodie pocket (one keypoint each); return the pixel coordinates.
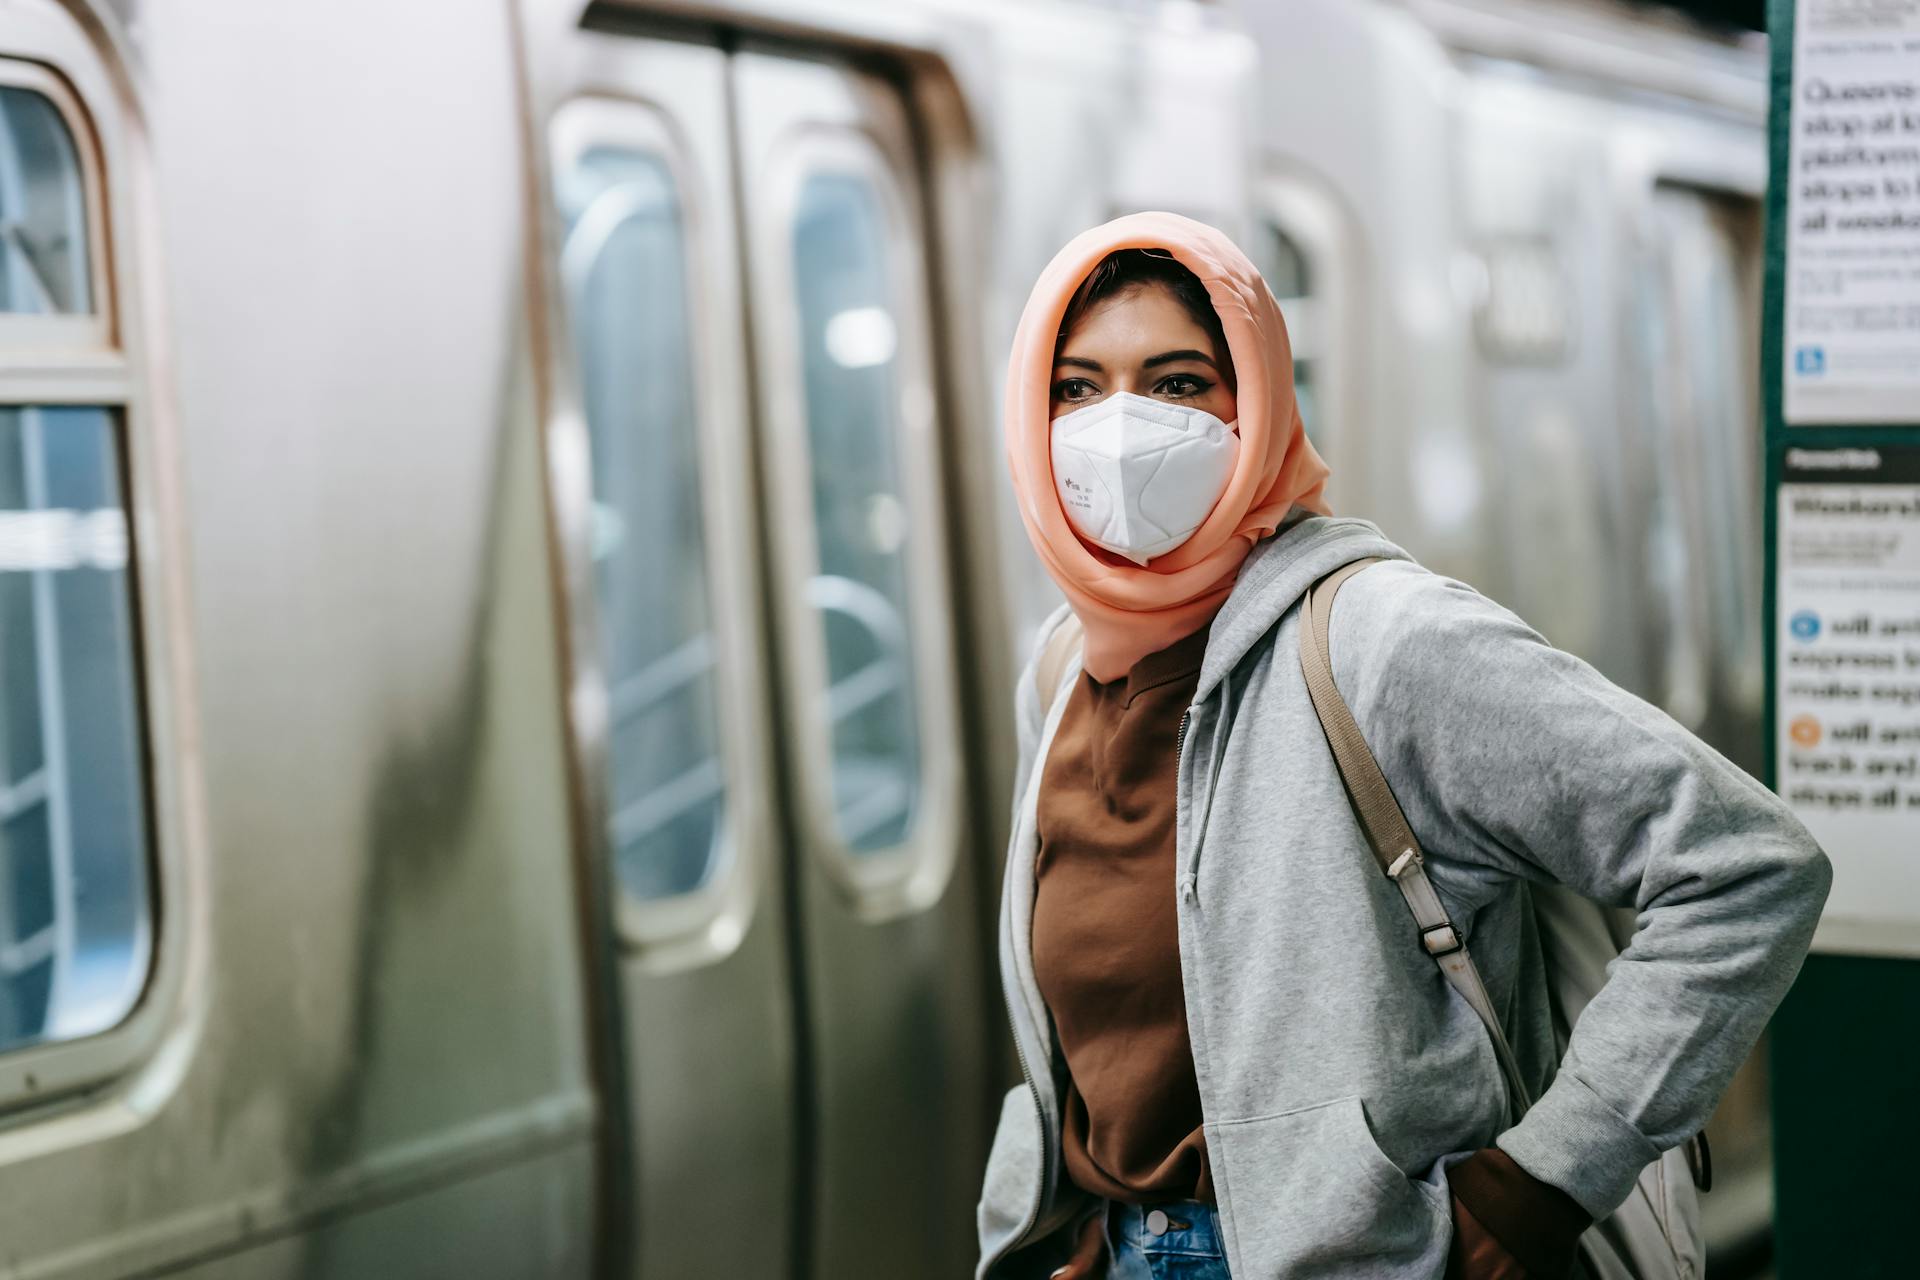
(1308, 1192)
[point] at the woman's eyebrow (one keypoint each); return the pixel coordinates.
(1171, 357)
(1080, 362)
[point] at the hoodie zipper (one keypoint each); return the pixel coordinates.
(1190, 876)
(1188, 888)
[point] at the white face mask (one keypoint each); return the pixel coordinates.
(1137, 476)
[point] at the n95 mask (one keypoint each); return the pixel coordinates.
(1137, 476)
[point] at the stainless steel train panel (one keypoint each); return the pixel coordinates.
(368, 989)
(475, 1225)
(650, 461)
(889, 933)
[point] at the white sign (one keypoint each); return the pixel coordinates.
(1847, 688)
(1852, 323)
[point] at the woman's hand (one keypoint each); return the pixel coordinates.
(1509, 1225)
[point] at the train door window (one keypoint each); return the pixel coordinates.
(1302, 247)
(43, 238)
(1284, 263)
(851, 433)
(1696, 311)
(862, 518)
(624, 268)
(76, 913)
(1716, 300)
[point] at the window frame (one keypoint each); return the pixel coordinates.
(705, 924)
(102, 360)
(910, 876)
(66, 359)
(1308, 213)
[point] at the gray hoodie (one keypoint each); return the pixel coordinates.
(1339, 1075)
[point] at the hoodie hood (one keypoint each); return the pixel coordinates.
(1274, 576)
(1129, 610)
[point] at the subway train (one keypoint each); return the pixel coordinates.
(509, 598)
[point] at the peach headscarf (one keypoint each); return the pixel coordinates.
(1128, 610)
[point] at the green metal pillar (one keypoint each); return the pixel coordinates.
(1846, 1044)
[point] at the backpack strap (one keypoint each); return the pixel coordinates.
(1385, 825)
(1065, 638)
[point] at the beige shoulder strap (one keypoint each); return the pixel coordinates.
(1060, 649)
(1388, 835)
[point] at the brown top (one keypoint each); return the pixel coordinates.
(1106, 948)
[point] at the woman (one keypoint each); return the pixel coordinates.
(1239, 1053)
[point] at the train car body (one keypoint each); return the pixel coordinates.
(360, 1045)
(554, 817)
(508, 594)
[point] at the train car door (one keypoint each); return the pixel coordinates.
(1697, 312)
(850, 423)
(651, 479)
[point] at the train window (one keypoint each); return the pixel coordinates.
(624, 268)
(76, 893)
(1716, 240)
(861, 517)
(1697, 309)
(1303, 245)
(43, 210)
(1284, 263)
(75, 919)
(1524, 311)
(1682, 661)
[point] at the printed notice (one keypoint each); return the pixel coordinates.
(1848, 682)
(1852, 323)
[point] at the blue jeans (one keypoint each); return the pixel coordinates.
(1179, 1241)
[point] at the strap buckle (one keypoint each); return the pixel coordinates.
(1441, 940)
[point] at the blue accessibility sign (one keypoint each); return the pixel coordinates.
(1805, 624)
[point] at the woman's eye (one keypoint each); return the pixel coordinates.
(1074, 389)
(1183, 386)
